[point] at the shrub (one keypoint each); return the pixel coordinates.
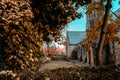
(85, 73)
(20, 42)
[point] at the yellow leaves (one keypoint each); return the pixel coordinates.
(118, 40)
(98, 23)
(88, 40)
(111, 30)
(20, 35)
(95, 6)
(118, 25)
(90, 8)
(31, 59)
(39, 24)
(89, 32)
(36, 59)
(69, 19)
(31, 51)
(93, 34)
(86, 46)
(14, 12)
(14, 31)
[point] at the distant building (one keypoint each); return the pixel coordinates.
(73, 49)
(53, 48)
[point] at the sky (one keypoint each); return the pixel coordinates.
(80, 24)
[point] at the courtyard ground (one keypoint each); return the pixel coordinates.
(57, 64)
(60, 64)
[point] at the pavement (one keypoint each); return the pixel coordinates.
(62, 64)
(57, 64)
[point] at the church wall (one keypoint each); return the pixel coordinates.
(71, 48)
(117, 49)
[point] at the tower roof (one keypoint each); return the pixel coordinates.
(117, 12)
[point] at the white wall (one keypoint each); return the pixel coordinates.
(70, 49)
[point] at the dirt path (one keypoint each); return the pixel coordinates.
(57, 64)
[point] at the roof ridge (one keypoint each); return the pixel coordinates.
(76, 31)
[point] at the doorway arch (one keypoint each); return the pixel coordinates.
(74, 55)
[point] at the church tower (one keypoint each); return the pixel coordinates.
(93, 15)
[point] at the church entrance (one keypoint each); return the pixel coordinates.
(74, 55)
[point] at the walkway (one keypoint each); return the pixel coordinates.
(61, 64)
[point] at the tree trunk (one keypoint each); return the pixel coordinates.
(102, 34)
(91, 60)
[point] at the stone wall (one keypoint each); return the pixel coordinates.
(117, 49)
(91, 19)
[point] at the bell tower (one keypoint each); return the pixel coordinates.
(92, 16)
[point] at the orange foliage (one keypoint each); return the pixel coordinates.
(93, 34)
(111, 30)
(95, 5)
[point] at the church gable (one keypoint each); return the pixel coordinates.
(74, 39)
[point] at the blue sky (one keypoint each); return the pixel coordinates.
(80, 24)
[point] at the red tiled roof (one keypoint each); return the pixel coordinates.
(54, 51)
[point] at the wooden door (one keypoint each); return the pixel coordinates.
(74, 55)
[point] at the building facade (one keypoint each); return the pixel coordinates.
(74, 51)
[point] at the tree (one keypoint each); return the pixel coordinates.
(102, 32)
(24, 24)
(51, 16)
(20, 43)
